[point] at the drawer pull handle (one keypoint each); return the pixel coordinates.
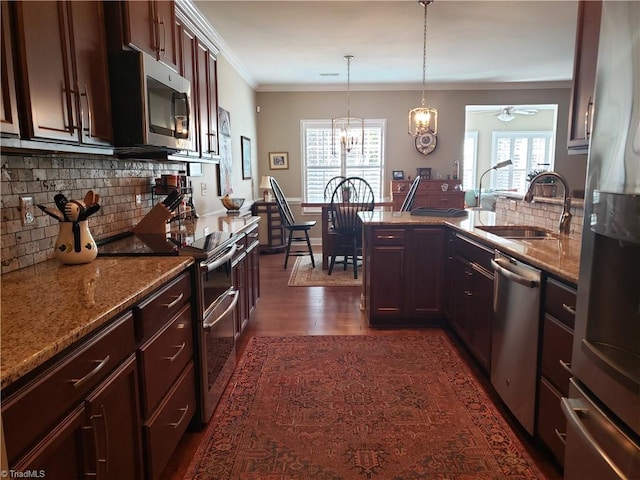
(78, 382)
(184, 414)
(175, 302)
(386, 237)
(561, 436)
(570, 309)
(566, 366)
(180, 348)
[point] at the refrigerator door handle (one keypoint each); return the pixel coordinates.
(573, 408)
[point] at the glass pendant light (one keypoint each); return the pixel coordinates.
(348, 131)
(423, 119)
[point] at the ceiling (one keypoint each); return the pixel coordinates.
(300, 45)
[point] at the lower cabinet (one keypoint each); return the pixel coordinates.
(553, 383)
(246, 270)
(471, 297)
(404, 273)
(91, 426)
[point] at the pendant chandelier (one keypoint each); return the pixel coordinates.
(423, 119)
(349, 131)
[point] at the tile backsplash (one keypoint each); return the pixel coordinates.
(42, 176)
(542, 213)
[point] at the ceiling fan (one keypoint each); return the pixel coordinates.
(509, 113)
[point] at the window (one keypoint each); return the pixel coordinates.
(527, 150)
(320, 164)
(469, 160)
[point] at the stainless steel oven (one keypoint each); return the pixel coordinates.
(215, 331)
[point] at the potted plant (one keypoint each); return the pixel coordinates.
(545, 187)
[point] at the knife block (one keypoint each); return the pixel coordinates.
(155, 221)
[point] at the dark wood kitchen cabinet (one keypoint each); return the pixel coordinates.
(245, 276)
(91, 426)
(430, 193)
(404, 274)
(471, 297)
(62, 70)
(165, 328)
(584, 75)
(197, 63)
(8, 103)
(557, 342)
(146, 25)
(271, 231)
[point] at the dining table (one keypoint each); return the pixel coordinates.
(327, 239)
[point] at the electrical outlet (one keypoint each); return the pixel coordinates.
(138, 199)
(203, 189)
(26, 210)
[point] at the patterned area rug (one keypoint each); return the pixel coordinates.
(303, 275)
(357, 407)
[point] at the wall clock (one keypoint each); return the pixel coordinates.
(426, 142)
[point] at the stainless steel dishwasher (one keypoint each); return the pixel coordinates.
(514, 337)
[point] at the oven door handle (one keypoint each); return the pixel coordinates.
(208, 267)
(206, 326)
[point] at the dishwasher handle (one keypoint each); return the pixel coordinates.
(527, 282)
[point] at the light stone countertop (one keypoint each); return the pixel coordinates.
(48, 307)
(558, 256)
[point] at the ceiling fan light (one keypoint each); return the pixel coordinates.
(506, 117)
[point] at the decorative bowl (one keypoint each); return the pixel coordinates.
(232, 204)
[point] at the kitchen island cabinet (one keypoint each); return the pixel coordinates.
(404, 274)
(62, 60)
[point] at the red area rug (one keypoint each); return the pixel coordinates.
(357, 407)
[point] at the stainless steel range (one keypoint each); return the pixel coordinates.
(216, 299)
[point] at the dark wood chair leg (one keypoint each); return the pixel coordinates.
(306, 234)
(355, 258)
(286, 256)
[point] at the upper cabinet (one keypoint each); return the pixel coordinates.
(9, 107)
(146, 26)
(584, 76)
(197, 63)
(62, 69)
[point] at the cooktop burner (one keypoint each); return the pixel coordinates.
(131, 244)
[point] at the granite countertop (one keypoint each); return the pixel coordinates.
(558, 256)
(48, 307)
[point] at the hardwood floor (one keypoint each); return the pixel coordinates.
(284, 311)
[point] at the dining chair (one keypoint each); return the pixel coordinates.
(298, 231)
(407, 205)
(331, 186)
(351, 195)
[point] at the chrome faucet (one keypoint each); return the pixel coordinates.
(565, 217)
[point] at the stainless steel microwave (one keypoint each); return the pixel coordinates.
(151, 105)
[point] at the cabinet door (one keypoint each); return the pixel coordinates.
(115, 421)
(43, 37)
(461, 291)
(8, 105)
(584, 75)
(61, 453)
(187, 53)
(207, 102)
(426, 272)
(139, 26)
(481, 314)
(90, 55)
(165, 20)
(240, 284)
(387, 281)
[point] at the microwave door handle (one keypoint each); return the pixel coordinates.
(231, 293)
(209, 267)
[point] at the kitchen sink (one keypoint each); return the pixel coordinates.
(520, 232)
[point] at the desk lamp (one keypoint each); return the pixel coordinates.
(505, 163)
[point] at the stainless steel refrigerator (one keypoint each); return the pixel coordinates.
(603, 407)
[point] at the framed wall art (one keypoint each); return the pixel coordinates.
(398, 174)
(278, 160)
(424, 173)
(246, 157)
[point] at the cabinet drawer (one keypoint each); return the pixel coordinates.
(550, 419)
(473, 252)
(556, 347)
(165, 429)
(63, 385)
(560, 301)
(389, 236)
(153, 313)
(163, 357)
(445, 200)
